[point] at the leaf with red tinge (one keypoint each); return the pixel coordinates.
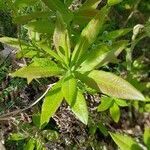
(89, 34)
(61, 38)
(112, 85)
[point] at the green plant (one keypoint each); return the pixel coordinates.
(30, 136)
(113, 106)
(125, 142)
(74, 66)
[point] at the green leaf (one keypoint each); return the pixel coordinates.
(83, 16)
(36, 119)
(43, 62)
(24, 3)
(106, 102)
(92, 129)
(50, 135)
(147, 28)
(115, 112)
(37, 26)
(33, 72)
(69, 89)
(146, 137)
(89, 34)
(120, 102)
(51, 103)
(113, 2)
(35, 15)
(94, 57)
(80, 108)
(125, 142)
(115, 34)
(17, 136)
(44, 46)
(57, 5)
(90, 4)
(61, 38)
(30, 145)
(24, 49)
(39, 145)
(86, 12)
(102, 55)
(102, 129)
(16, 43)
(27, 53)
(147, 107)
(38, 69)
(114, 86)
(68, 2)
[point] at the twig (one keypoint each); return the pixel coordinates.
(9, 115)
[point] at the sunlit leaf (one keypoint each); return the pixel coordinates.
(38, 69)
(113, 2)
(90, 4)
(44, 46)
(115, 34)
(61, 38)
(147, 107)
(120, 102)
(27, 53)
(115, 112)
(87, 11)
(51, 103)
(106, 102)
(84, 16)
(23, 49)
(30, 145)
(24, 3)
(80, 108)
(39, 145)
(146, 137)
(35, 15)
(102, 55)
(57, 5)
(125, 142)
(115, 86)
(69, 89)
(37, 26)
(14, 42)
(89, 34)
(94, 57)
(17, 136)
